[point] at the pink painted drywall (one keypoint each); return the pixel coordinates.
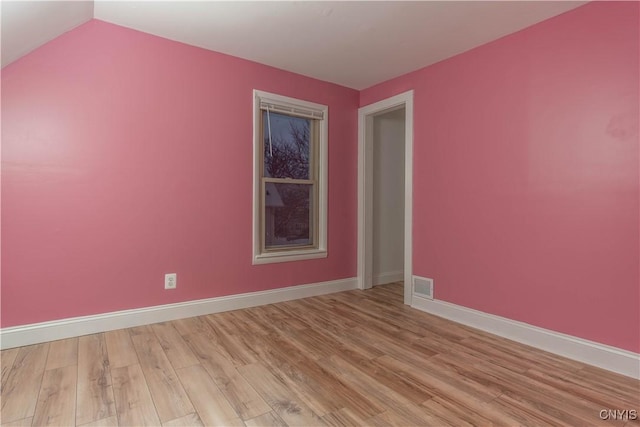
(526, 174)
(126, 156)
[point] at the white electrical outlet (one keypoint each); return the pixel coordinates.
(170, 281)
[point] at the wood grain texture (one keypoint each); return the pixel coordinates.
(20, 390)
(106, 422)
(176, 349)
(62, 353)
(297, 373)
(379, 394)
(291, 410)
(133, 399)
(7, 358)
(192, 325)
(343, 418)
(192, 420)
(25, 422)
(356, 358)
(57, 399)
(167, 392)
(269, 419)
(95, 394)
(207, 399)
(410, 415)
(120, 348)
(245, 400)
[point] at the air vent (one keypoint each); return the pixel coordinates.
(423, 287)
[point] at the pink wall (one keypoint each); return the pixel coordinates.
(126, 156)
(526, 174)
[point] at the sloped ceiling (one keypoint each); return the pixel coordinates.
(354, 44)
(27, 25)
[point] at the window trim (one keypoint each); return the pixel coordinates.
(285, 255)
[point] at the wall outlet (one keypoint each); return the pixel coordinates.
(170, 281)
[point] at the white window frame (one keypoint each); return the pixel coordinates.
(285, 255)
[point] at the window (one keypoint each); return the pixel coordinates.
(290, 179)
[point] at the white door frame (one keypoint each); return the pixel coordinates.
(365, 188)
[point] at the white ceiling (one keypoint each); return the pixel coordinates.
(27, 25)
(354, 44)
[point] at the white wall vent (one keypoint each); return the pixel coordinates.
(423, 287)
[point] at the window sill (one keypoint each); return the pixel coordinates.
(273, 257)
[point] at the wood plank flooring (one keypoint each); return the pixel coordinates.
(346, 359)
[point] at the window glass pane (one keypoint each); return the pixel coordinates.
(288, 153)
(288, 215)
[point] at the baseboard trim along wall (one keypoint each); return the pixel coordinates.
(613, 359)
(389, 277)
(603, 356)
(18, 336)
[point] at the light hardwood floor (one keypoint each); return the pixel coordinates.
(352, 358)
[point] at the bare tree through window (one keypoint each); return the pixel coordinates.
(287, 155)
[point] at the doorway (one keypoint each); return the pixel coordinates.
(388, 197)
(378, 124)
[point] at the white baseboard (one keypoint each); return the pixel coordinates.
(18, 336)
(390, 277)
(603, 356)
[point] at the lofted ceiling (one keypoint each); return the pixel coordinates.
(352, 43)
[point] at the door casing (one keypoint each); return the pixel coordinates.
(365, 188)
